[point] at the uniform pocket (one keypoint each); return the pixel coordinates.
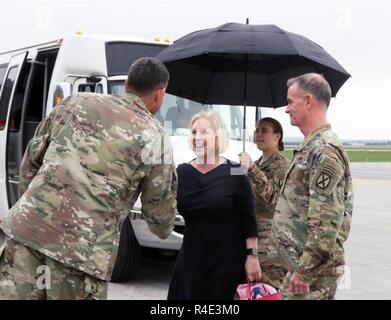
(286, 178)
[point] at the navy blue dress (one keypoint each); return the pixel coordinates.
(219, 215)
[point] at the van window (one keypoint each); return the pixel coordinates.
(3, 70)
(116, 87)
(99, 88)
(86, 87)
(120, 55)
(35, 102)
(17, 100)
(176, 113)
(6, 95)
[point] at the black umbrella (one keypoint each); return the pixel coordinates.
(242, 64)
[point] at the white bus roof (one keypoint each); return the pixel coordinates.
(97, 38)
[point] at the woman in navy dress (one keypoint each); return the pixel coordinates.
(219, 249)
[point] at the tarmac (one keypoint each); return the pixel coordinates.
(368, 248)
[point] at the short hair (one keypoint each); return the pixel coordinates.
(146, 75)
(314, 83)
(277, 128)
(218, 127)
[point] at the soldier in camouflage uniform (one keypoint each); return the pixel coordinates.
(314, 210)
(266, 177)
(81, 174)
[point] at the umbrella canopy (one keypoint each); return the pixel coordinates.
(242, 64)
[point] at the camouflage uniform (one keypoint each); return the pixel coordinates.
(266, 179)
(80, 176)
(25, 273)
(313, 215)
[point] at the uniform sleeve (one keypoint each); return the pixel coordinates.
(325, 215)
(158, 198)
(33, 156)
(245, 206)
(266, 190)
(158, 193)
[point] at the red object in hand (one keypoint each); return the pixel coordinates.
(257, 291)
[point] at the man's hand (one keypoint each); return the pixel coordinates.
(298, 286)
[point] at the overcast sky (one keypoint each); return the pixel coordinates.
(356, 33)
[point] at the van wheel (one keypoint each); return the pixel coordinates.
(129, 252)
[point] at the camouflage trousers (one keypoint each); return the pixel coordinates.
(272, 272)
(323, 288)
(26, 274)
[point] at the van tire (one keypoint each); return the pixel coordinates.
(128, 257)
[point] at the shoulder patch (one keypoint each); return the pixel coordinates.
(327, 173)
(326, 176)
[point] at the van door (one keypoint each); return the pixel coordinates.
(7, 95)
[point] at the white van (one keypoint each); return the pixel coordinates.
(34, 79)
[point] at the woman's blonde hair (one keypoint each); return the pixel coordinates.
(218, 127)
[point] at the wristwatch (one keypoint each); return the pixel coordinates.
(252, 251)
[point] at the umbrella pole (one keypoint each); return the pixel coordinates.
(244, 128)
(245, 102)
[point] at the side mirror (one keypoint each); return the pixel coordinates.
(63, 89)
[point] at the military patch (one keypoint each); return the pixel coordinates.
(326, 176)
(323, 181)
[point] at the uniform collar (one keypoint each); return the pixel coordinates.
(132, 98)
(269, 160)
(312, 136)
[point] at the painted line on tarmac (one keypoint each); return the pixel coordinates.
(366, 180)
